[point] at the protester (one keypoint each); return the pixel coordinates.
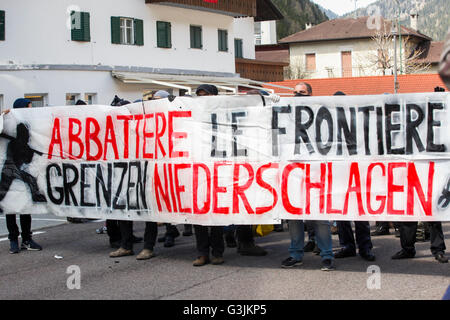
(303, 89)
(12, 169)
(80, 103)
(208, 238)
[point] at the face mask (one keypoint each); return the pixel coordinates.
(298, 94)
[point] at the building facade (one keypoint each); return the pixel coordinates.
(56, 52)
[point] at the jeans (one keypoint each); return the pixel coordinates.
(322, 234)
(126, 230)
(362, 231)
(13, 229)
(113, 230)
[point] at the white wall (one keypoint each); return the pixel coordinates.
(269, 32)
(36, 33)
(244, 29)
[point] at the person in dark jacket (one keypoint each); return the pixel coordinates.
(19, 153)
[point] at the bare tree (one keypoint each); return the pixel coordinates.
(297, 70)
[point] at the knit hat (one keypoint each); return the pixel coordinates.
(21, 103)
(160, 94)
(208, 88)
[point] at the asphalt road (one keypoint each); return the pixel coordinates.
(170, 275)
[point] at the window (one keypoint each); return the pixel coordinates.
(196, 37)
(346, 60)
(163, 34)
(223, 40)
(2, 25)
(90, 98)
(80, 26)
(310, 62)
(37, 100)
(127, 31)
(238, 53)
(72, 98)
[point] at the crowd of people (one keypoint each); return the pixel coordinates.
(212, 240)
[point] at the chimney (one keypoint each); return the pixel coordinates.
(415, 21)
(308, 26)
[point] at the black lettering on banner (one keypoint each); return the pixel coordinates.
(301, 128)
(68, 185)
(431, 147)
(366, 112)
(235, 132)
(380, 140)
(324, 115)
(116, 199)
(143, 183)
(106, 188)
(214, 136)
(349, 132)
(389, 127)
(60, 190)
(84, 185)
(275, 129)
(134, 185)
(411, 128)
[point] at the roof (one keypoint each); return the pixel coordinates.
(410, 83)
(267, 11)
(343, 29)
(432, 52)
(273, 55)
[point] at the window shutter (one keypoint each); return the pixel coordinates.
(164, 39)
(238, 48)
(86, 25)
(223, 40)
(226, 40)
(192, 37)
(115, 30)
(139, 32)
(76, 26)
(196, 37)
(2, 25)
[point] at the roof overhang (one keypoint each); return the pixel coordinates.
(190, 82)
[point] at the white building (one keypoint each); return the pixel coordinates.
(58, 51)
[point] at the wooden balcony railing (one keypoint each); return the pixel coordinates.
(265, 71)
(235, 7)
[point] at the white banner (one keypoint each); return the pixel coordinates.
(232, 160)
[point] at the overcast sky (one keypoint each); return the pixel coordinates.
(342, 6)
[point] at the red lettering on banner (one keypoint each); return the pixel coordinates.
(330, 191)
(392, 188)
(207, 205)
(147, 135)
(159, 134)
(284, 188)
(316, 185)
(414, 183)
(263, 184)
(172, 189)
(379, 198)
(138, 119)
(356, 177)
(110, 138)
(159, 189)
(75, 138)
(56, 139)
(180, 188)
(126, 133)
(177, 135)
(217, 189)
(93, 136)
(239, 191)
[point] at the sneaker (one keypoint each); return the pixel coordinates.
(145, 254)
(397, 233)
(291, 262)
(30, 245)
(169, 242)
(121, 252)
(309, 247)
(344, 253)
(217, 260)
(367, 255)
(201, 261)
(440, 257)
(327, 265)
(14, 246)
(402, 254)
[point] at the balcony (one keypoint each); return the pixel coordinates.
(236, 8)
(264, 71)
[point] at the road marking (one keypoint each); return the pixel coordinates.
(34, 233)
